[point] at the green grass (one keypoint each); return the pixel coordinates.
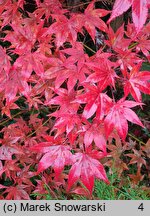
(112, 191)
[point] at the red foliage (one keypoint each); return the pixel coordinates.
(139, 11)
(71, 103)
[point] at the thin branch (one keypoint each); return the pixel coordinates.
(38, 128)
(135, 138)
(8, 119)
(89, 48)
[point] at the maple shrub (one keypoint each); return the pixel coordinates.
(70, 86)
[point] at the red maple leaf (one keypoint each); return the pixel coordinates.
(78, 57)
(15, 83)
(10, 168)
(56, 156)
(91, 19)
(118, 115)
(66, 101)
(104, 73)
(17, 193)
(117, 39)
(95, 101)
(95, 132)
(46, 8)
(30, 62)
(136, 82)
(4, 62)
(127, 59)
(143, 42)
(86, 169)
(8, 11)
(64, 30)
(63, 69)
(6, 152)
(67, 122)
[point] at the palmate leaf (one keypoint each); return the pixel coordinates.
(15, 83)
(65, 100)
(139, 11)
(64, 30)
(127, 59)
(4, 61)
(86, 169)
(78, 57)
(67, 122)
(104, 73)
(117, 39)
(95, 100)
(95, 132)
(6, 152)
(136, 178)
(118, 115)
(17, 193)
(142, 42)
(136, 158)
(137, 82)
(92, 19)
(56, 156)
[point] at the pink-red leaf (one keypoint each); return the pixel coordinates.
(139, 11)
(95, 101)
(117, 118)
(95, 133)
(86, 169)
(137, 82)
(120, 6)
(56, 156)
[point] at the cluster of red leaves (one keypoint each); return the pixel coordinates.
(45, 64)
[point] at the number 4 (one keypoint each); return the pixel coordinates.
(141, 207)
